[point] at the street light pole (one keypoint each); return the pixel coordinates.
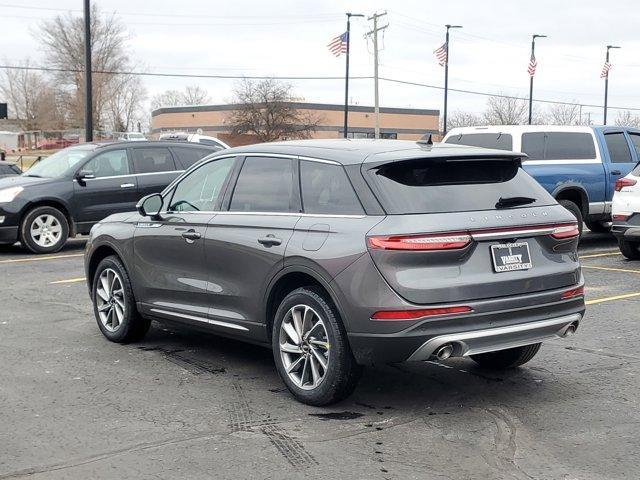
(533, 57)
(88, 97)
(606, 82)
(346, 75)
(376, 101)
(446, 78)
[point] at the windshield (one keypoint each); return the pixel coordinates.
(59, 163)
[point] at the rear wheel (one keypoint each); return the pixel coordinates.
(631, 250)
(113, 303)
(44, 230)
(510, 358)
(598, 226)
(575, 210)
(311, 350)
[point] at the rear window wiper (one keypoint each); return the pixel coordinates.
(508, 202)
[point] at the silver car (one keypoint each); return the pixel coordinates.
(339, 254)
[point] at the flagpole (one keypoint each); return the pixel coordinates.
(533, 56)
(606, 84)
(446, 78)
(346, 75)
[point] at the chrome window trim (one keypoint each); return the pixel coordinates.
(201, 319)
(280, 214)
(129, 175)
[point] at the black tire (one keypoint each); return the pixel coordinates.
(133, 326)
(510, 358)
(27, 233)
(342, 373)
(575, 210)
(631, 250)
(598, 226)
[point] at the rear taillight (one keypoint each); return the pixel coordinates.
(449, 241)
(569, 230)
(624, 182)
(399, 315)
(620, 217)
(574, 292)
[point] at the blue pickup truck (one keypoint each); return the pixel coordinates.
(578, 165)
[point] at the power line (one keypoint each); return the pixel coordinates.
(294, 78)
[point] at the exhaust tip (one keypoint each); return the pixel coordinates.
(444, 352)
(571, 329)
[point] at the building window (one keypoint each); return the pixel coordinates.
(383, 135)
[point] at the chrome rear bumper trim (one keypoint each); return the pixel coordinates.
(499, 338)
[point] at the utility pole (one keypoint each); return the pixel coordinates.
(346, 75)
(605, 71)
(374, 34)
(88, 96)
(532, 72)
(446, 77)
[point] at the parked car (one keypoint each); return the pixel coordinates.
(194, 138)
(69, 192)
(341, 253)
(578, 165)
(8, 169)
(626, 214)
(131, 137)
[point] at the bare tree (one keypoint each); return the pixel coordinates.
(505, 111)
(31, 98)
(191, 95)
(264, 109)
(459, 118)
(561, 114)
(123, 107)
(627, 119)
(63, 43)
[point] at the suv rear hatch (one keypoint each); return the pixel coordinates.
(468, 228)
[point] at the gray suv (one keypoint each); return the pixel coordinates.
(340, 253)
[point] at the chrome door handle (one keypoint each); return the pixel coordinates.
(127, 185)
(270, 240)
(191, 235)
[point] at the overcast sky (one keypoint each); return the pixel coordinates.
(289, 37)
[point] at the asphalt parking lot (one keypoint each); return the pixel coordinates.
(183, 404)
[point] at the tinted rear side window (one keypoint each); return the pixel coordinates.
(151, 160)
(188, 156)
(327, 190)
(439, 186)
(618, 148)
(558, 145)
(635, 139)
(500, 141)
(265, 184)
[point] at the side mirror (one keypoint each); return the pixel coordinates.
(150, 206)
(83, 175)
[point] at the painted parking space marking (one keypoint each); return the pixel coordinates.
(41, 259)
(70, 280)
(603, 254)
(611, 269)
(610, 299)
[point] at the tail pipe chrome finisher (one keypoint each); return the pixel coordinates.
(444, 352)
(571, 329)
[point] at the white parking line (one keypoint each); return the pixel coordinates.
(70, 280)
(40, 259)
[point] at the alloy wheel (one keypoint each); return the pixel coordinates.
(110, 299)
(46, 230)
(304, 347)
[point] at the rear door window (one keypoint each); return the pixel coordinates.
(188, 156)
(618, 148)
(327, 190)
(499, 141)
(441, 186)
(635, 140)
(153, 160)
(559, 146)
(112, 163)
(265, 184)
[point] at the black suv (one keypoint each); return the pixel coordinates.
(70, 191)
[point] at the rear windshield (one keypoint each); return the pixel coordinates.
(452, 185)
(499, 141)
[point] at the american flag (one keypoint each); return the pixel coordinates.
(605, 70)
(441, 54)
(533, 64)
(338, 45)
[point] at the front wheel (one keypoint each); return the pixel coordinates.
(44, 230)
(311, 350)
(575, 210)
(113, 303)
(509, 358)
(631, 250)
